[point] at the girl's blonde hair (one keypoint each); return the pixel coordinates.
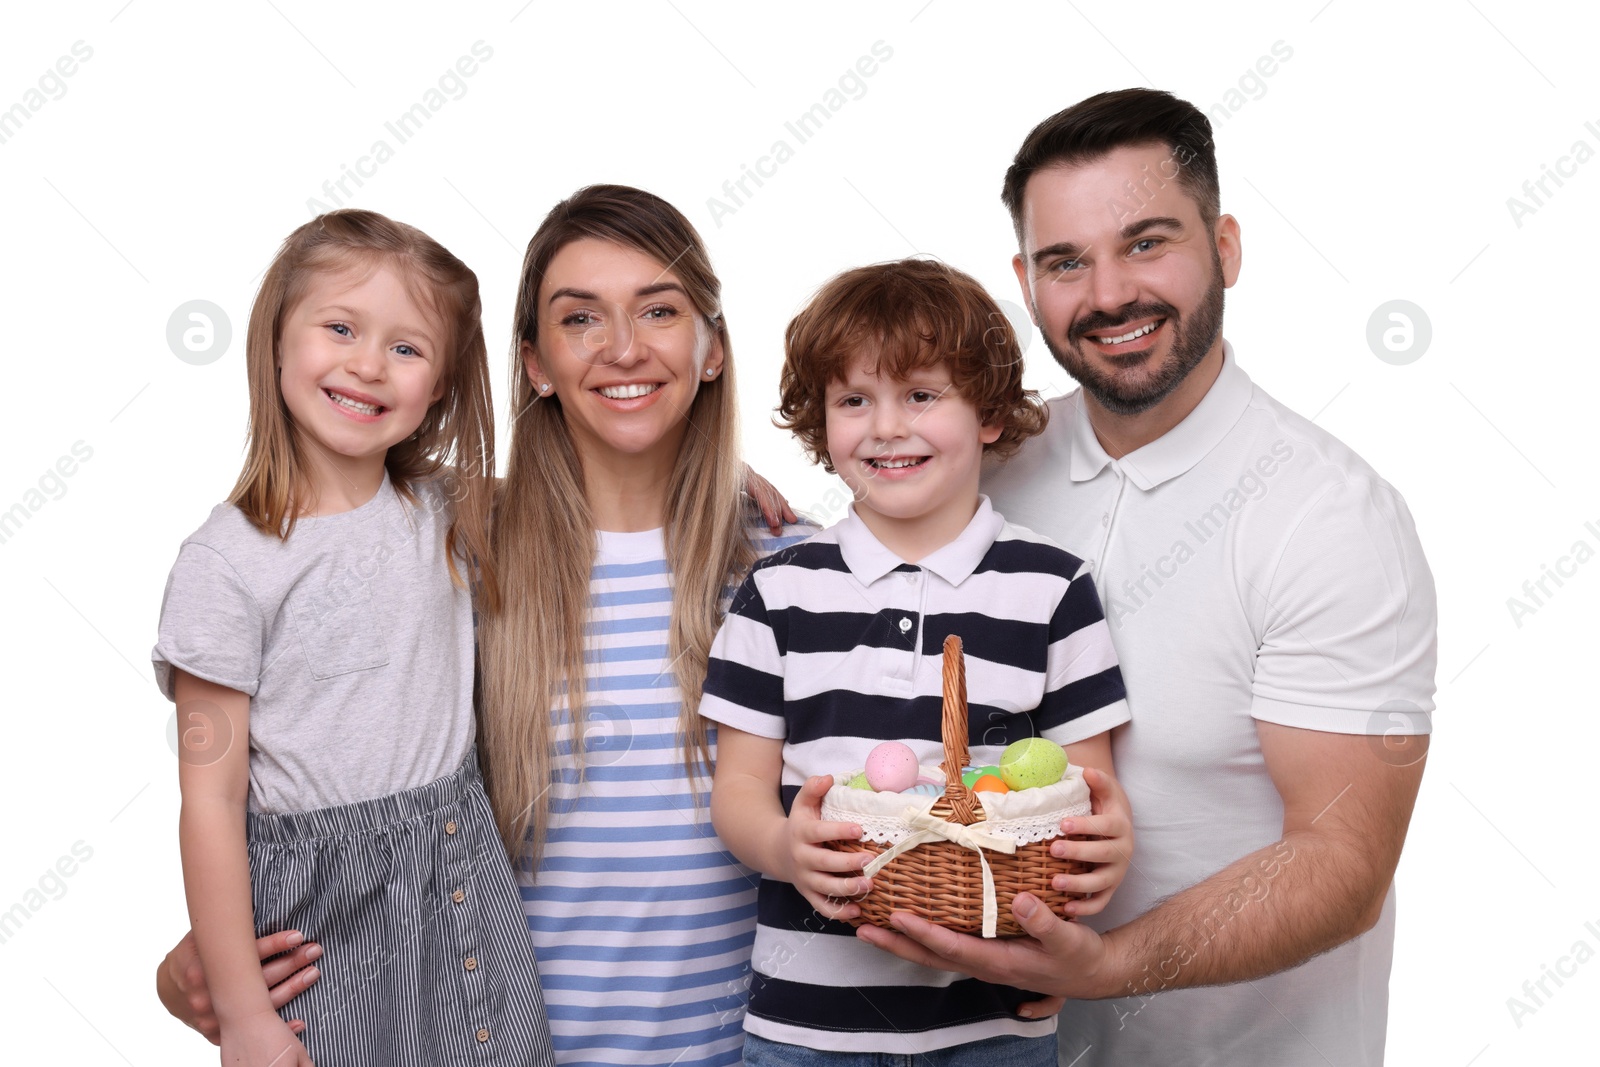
(532, 648)
(456, 438)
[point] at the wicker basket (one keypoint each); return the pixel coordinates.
(942, 880)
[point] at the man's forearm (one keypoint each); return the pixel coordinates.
(1272, 909)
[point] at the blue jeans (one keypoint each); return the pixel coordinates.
(1008, 1051)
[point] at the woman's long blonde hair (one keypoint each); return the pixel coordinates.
(456, 437)
(532, 648)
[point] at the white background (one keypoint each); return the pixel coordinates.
(1374, 164)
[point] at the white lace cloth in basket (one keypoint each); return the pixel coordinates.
(1026, 816)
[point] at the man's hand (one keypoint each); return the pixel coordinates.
(1057, 957)
(286, 966)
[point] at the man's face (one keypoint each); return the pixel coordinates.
(1123, 277)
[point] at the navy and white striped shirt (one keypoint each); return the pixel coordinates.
(641, 919)
(835, 645)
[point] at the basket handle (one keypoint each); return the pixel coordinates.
(963, 803)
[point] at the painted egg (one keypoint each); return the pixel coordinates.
(1033, 762)
(923, 789)
(892, 767)
(928, 779)
(990, 784)
(972, 774)
(859, 782)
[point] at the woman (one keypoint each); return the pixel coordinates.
(619, 528)
(620, 525)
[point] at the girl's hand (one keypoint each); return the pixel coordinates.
(1109, 828)
(286, 966)
(821, 874)
(262, 1040)
(774, 508)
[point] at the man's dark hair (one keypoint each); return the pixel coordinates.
(1102, 123)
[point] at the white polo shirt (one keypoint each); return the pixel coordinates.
(1252, 567)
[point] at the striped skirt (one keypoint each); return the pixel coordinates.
(426, 956)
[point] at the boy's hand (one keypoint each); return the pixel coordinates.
(1110, 829)
(822, 875)
(262, 1040)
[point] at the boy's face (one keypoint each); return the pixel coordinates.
(910, 450)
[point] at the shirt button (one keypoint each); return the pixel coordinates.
(450, 827)
(471, 963)
(905, 624)
(483, 1035)
(458, 896)
(1105, 520)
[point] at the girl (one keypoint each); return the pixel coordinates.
(317, 636)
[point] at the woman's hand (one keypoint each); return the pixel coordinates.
(1109, 828)
(286, 966)
(774, 508)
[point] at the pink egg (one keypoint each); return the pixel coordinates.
(891, 767)
(923, 779)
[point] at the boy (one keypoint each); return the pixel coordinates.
(898, 377)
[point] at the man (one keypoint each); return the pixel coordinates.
(1274, 614)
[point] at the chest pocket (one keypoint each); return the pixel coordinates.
(338, 627)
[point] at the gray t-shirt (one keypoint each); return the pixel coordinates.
(355, 647)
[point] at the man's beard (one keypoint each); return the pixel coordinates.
(1191, 340)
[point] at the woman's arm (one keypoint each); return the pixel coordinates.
(749, 818)
(216, 870)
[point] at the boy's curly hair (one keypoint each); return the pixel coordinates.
(904, 315)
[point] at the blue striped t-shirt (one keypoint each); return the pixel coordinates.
(641, 919)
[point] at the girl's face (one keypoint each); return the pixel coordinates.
(621, 346)
(359, 365)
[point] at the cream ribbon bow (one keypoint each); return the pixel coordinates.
(932, 828)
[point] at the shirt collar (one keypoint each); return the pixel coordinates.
(1180, 448)
(869, 560)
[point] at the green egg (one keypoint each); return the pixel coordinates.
(1032, 762)
(860, 782)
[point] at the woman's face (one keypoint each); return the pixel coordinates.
(622, 348)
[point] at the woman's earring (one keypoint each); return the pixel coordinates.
(544, 387)
(711, 372)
